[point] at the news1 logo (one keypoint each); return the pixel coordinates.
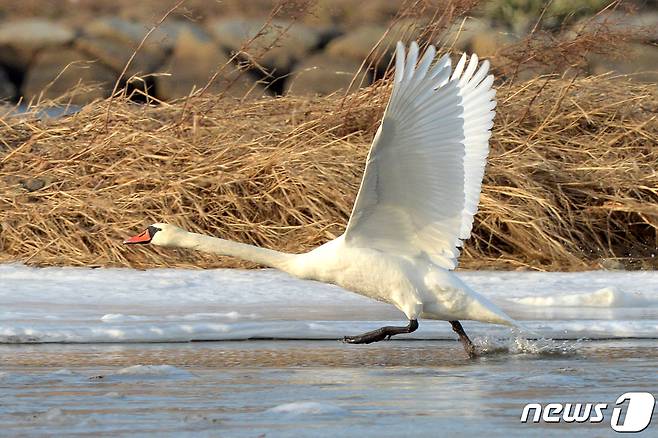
(637, 416)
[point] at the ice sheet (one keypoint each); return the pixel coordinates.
(175, 305)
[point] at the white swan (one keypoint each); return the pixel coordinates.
(416, 203)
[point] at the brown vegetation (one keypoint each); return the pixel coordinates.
(571, 179)
(571, 182)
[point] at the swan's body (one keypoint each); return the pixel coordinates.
(415, 286)
(416, 203)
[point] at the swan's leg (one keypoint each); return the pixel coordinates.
(463, 338)
(381, 333)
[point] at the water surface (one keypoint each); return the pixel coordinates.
(311, 388)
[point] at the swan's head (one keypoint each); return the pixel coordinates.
(157, 234)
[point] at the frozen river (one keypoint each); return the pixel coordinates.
(105, 352)
(168, 305)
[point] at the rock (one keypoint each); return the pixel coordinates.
(113, 40)
(291, 41)
(194, 60)
(374, 11)
(49, 65)
(7, 88)
(34, 34)
(487, 43)
(325, 13)
(478, 33)
(358, 44)
(332, 12)
(640, 62)
(115, 54)
(176, 28)
(323, 74)
(612, 264)
(643, 26)
(648, 23)
(33, 184)
(132, 32)
(20, 40)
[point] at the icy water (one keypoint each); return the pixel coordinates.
(109, 352)
(310, 388)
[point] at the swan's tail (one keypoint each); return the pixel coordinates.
(481, 309)
(455, 301)
(486, 311)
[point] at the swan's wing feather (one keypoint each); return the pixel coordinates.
(424, 171)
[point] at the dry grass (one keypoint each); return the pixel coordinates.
(571, 181)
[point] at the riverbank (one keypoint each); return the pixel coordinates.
(570, 183)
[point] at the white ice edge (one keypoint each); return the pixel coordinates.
(320, 330)
(175, 305)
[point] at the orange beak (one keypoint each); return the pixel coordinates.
(143, 237)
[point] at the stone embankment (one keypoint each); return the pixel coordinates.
(41, 58)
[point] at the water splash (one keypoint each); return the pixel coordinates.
(521, 343)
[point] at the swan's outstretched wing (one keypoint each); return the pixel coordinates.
(423, 176)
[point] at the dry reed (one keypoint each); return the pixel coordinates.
(571, 180)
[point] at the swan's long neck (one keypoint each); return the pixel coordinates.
(262, 256)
